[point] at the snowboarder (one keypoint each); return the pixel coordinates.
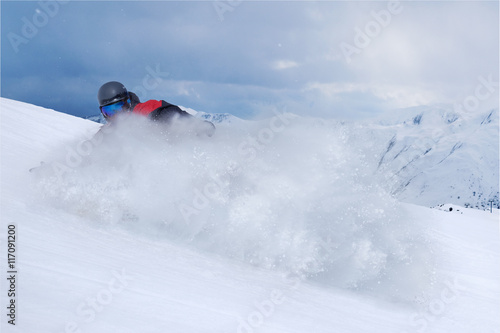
(114, 99)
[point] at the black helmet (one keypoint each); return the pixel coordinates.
(111, 92)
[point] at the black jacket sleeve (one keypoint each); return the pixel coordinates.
(170, 113)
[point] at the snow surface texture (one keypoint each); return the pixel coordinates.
(272, 226)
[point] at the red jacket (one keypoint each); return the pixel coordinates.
(147, 107)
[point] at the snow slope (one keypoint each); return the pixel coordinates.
(271, 226)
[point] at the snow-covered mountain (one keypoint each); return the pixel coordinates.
(435, 155)
(216, 118)
(98, 118)
(269, 226)
(429, 155)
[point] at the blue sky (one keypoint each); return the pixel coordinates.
(329, 59)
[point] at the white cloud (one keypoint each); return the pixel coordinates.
(395, 96)
(284, 64)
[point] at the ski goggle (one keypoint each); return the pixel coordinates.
(111, 109)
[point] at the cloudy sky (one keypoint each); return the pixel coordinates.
(331, 59)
